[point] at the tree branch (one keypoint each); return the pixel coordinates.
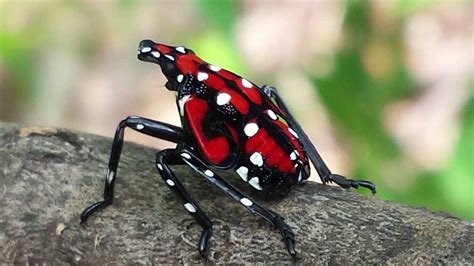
(48, 176)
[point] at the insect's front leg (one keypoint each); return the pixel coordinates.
(193, 161)
(147, 126)
(321, 167)
(163, 159)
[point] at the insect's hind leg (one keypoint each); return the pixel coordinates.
(163, 158)
(193, 161)
(321, 167)
(147, 126)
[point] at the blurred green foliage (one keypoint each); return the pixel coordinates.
(459, 198)
(451, 188)
(16, 52)
(356, 98)
(220, 15)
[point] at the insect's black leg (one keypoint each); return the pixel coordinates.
(150, 127)
(271, 217)
(163, 158)
(321, 167)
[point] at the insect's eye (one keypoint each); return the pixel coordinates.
(168, 67)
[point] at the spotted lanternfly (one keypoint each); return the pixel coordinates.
(229, 123)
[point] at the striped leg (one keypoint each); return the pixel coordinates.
(150, 127)
(321, 167)
(163, 159)
(271, 217)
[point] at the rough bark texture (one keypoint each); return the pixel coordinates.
(48, 176)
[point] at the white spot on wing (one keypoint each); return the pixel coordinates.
(272, 115)
(223, 98)
(293, 132)
(214, 68)
(246, 202)
(181, 103)
(180, 78)
(185, 155)
(254, 182)
(146, 49)
(256, 158)
(293, 155)
(181, 49)
(246, 83)
(202, 76)
(209, 173)
(189, 207)
(155, 54)
(140, 126)
(250, 129)
(243, 172)
(169, 57)
(170, 182)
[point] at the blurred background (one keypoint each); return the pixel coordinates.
(384, 88)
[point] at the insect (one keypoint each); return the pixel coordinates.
(229, 123)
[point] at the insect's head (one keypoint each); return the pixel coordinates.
(172, 60)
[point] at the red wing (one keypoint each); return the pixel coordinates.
(274, 154)
(220, 146)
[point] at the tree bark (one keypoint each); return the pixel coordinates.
(48, 176)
